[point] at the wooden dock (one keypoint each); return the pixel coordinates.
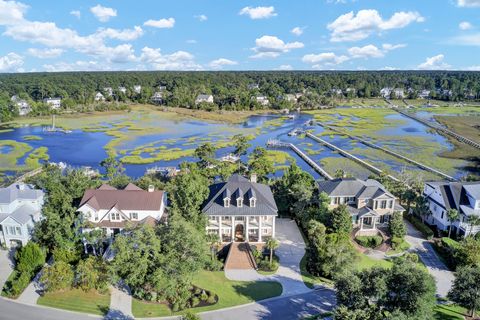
(349, 155)
(301, 154)
(440, 129)
(390, 152)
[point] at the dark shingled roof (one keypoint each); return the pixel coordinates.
(351, 187)
(454, 194)
(265, 204)
(130, 198)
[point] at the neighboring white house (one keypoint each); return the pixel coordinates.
(108, 91)
(462, 196)
(385, 92)
(157, 97)
(399, 93)
(207, 98)
(122, 89)
(291, 98)
(424, 94)
(20, 209)
(99, 97)
(22, 105)
(137, 88)
(54, 103)
(336, 92)
(253, 86)
(241, 210)
(262, 100)
(369, 202)
(112, 209)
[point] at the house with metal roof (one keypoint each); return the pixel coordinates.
(20, 208)
(461, 196)
(241, 210)
(369, 203)
(112, 210)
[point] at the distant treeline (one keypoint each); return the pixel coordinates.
(234, 90)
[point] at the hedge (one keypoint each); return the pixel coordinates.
(419, 225)
(369, 241)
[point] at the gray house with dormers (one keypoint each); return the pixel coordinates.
(20, 209)
(241, 210)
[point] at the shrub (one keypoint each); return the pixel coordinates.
(58, 276)
(67, 255)
(190, 316)
(213, 265)
(204, 296)
(211, 298)
(30, 258)
(369, 241)
(195, 301)
(20, 284)
(418, 224)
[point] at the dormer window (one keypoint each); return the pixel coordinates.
(226, 202)
(115, 216)
(253, 202)
(240, 202)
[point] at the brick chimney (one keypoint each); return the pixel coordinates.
(253, 178)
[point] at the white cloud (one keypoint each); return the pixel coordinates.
(179, 60)
(390, 47)
(355, 27)
(434, 63)
(12, 62)
(76, 66)
(162, 23)
(324, 59)
(258, 12)
(201, 17)
(76, 13)
(123, 35)
(468, 3)
(272, 47)
(369, 51)
(389, 68)
(45, 53)
(473, 68)
(297, 31)
(465, 25)
(122, 53)
(103, 14)
(191, 41)
(220, 63)
(285, 67)
(11, 12)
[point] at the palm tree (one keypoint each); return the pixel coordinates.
(473, 221)
(271, 245)
(214, 242)
(452, 215)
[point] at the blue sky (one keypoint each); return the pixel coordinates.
(239, 35)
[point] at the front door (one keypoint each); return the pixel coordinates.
(239, 233)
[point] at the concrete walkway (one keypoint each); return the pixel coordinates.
(120, 303)
(6, 265)
(290, 253)
(31, 294)
(419, 245)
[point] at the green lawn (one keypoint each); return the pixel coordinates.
(230, 293)
(449, 312)
(77, 300)
(365, 262)
(404, 246)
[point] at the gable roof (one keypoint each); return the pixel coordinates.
(130, 198)
(234, 187)
(19, 191)
(454, 194)
(351, 187)
(22, 214)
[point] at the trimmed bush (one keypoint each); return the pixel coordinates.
(369, 241)
(418, 224)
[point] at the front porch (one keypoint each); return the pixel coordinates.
(242, 228)
(370, 223)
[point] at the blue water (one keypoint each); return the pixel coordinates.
(81, 148)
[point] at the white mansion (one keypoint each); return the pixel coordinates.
(241, 210)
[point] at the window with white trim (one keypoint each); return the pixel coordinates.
(239, 202)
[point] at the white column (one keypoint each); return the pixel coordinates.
(246, 229)
(259, 228)
(361, 223)
(273, 227)
(219, 219)
(233, 228)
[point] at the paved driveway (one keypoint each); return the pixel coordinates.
(6, 266)
(443, 277)
(290, 253)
